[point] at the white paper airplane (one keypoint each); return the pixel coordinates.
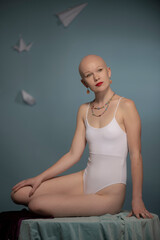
(22, 45)
(28, 98)
(67, 16)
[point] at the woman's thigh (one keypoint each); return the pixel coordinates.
(66, 184)
(74, 205)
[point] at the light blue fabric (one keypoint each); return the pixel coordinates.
(105, 227)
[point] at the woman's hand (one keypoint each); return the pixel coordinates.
(34, 182)
(138, 209)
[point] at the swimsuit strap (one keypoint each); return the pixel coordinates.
(115, 109)
(117, 106)
(87, 110)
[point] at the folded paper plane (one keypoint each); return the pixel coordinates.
(67, 16)
(22, 45)
(27, 98)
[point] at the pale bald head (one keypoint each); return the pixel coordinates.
(88, 61)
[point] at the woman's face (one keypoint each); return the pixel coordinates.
(94, 70)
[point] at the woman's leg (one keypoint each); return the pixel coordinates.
(67, 184)
(75, 205)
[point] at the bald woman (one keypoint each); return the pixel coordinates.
(111, 125)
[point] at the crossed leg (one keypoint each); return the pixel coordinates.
(67, 184)
(64, 196)
(74, 205)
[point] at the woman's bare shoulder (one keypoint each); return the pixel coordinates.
(127, 102)
(83, 106)
(82, 109)
(123, 100)
(128, 105)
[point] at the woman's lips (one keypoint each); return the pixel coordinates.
(99, 84)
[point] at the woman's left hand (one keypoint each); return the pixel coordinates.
(138, 209)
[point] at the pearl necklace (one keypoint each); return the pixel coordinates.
(106, 105)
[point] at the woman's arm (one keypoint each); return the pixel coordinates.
(65, 162)
(133, 128)
(75, 152)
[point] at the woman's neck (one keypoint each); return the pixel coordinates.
(102, 97)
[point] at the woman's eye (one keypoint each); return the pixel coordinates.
(88, 75)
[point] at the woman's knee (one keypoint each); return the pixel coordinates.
(15, 197)
(21, 196)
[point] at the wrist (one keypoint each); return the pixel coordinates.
(44, 176)
(41, 177)
(135, 198)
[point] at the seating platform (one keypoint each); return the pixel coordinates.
(110, 227)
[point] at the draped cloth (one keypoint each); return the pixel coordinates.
(102, 227)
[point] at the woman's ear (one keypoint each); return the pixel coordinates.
(109, 71)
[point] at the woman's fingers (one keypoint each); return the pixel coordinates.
(32, 191)
(130, 214)
(34, 188)
(17, 185)
(145, 214)
(21, 184)
(148, 214)
(33, 182)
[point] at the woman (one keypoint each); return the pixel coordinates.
(110, 124)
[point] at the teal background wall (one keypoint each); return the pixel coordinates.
(124, 33)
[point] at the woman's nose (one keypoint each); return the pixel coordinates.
(96, 76)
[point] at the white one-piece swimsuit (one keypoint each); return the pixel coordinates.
(108, 151)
